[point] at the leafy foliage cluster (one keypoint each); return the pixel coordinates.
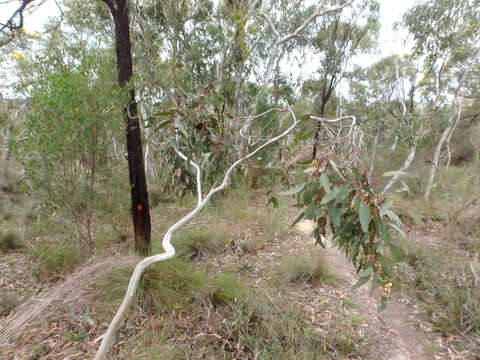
(360, 223)
(67, 149)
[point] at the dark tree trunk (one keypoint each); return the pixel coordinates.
(317, 132)
(136, 166)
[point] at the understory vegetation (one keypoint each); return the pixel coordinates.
(303, 191)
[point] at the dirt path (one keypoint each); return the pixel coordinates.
(396, 338)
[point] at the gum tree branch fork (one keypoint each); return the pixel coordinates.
(166, 243)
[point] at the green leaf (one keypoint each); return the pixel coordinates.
(342, 193)
(165, 113)
(299, 217)
(363, 280)
(162, 124)
(398, 229)
(318, 237)
(354, 251)
(387, 205)
(364, 214)
(383, 304)
(311, 211)
(293, 191)
(329, 197)
(393, 217)
(366, 273)
(325, 182)
(335, 214)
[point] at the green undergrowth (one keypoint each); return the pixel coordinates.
(52, 259)
(10, 240)
(444, 281)
(192, 243)
(310, 269)
(193, 315)
(442, 268)
(237, 220)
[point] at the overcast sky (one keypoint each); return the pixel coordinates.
(390, 42)
(390, 12)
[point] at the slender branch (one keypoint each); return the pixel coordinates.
(197, 170)
(11, 24)
(245, 127)
(406, 165)
(282, 40)
(169, 249)
(456, 113)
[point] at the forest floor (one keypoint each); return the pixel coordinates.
(282, 298)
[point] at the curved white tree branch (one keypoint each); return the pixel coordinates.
(197, 170)
(334, 131)
(249, 119)
(166, 243)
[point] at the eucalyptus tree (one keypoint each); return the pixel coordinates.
(140, 208)
(351, 32)
(384, 95)
(446, 34)
(67, 134)
(215, 65)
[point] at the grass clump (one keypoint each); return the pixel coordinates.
(342, 338)
(164, 286)
(51, 259)
(197, 243)
(443, 281)
(7, 303)
(207, 317)
(295, 270)
(10, 240)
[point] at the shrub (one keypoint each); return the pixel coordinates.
(67, 149)
(53, 259)
(10, 240)
(192, 243)
(442, 280)
(295, 270)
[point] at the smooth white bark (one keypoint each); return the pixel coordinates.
(372, 159)
(167, 246)
(452, 123)
(406, 165)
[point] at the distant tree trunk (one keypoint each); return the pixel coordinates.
(316, 139)
(136, 166)
(372, 160)
(406, 165)
(436, 158)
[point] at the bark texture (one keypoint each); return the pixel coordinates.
(139, 192)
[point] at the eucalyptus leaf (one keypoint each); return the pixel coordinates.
(366, 272)
(364, 214)
(325, 182)
(294, 190)
(361, 281)
(299, 217)
(387, 205)
(342, 193)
